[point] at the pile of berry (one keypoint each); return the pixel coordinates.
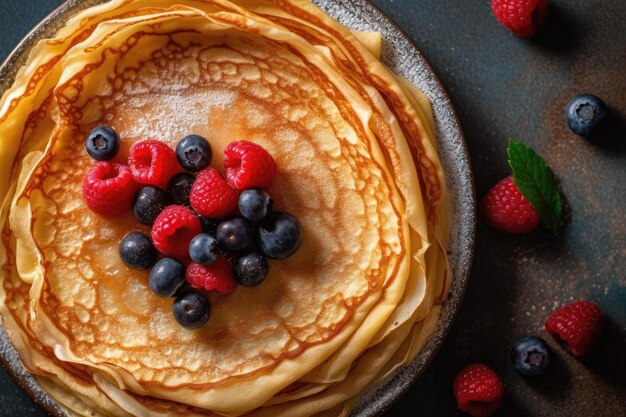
(213, 232)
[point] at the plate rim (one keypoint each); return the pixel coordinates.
(376, 404)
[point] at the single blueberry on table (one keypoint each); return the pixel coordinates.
(194, 153)
(179, 189)
(530, 355)
(102, 143)
(235, 235)
(204, 249)
(191, 310)
(585, 113)
(255, 204)
(251, 269)
(280, 235)
(148, 204)
(137, 251)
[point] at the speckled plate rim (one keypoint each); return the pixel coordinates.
(405, 59)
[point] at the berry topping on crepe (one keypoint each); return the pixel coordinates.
(251, 269)
(235, 235)
(248, 165)
(280, 235)
(102, 143)
(179, 189)
(211, 196)
(577, 326)
(149, 203)
(478, 390)
(522, 17)
(109, 189)
(174, 229)
(194, 153)
(167, 277)
(204, 249)
(153, 163)
(137, 251)
(217, 277)
(192, 310)
(254, 204)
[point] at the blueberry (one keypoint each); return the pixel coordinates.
(530, 355)
(209, 225)
(194, 153)
(280, 235)
(102, 143)
(179, 189)
(585, 114)
(251, 269)
(191, 310)
(235, 235)
(149, 203)
(254, 204)
(167, 277)
(137, 251)
(204, 249)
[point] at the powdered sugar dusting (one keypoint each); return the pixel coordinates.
(191, 112)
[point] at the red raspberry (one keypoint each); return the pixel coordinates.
(522, 17)
(211, 196)
(505, 208)
(216, 277)
(173, 230)
(577, 326)
(109, 189)
(153, 163)
(478, 390)
(248, 165)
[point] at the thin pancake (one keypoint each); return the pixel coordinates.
(354, 303)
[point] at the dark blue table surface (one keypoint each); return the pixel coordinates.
(504, 87)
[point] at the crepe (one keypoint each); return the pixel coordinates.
(357, 164)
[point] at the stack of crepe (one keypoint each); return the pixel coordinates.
(357, 164)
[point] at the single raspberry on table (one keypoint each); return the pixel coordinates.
(522, 17)
(216, 277)
(174, 229)
(248, 165)
(153, 163)
(478, 390)
(211, 196)
(109, 189)
(577, 326)
(505, 208)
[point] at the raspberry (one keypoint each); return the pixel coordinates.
(505, 208)
(109, 189)
(577, 326)
(522, 17)
(153, 163)
(478, 390)
(248, 165)
(173, 230)
(211, 196)
(216, 277)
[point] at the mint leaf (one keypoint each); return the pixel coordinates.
(536, 182)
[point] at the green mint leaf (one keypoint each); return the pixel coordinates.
(536, 182)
